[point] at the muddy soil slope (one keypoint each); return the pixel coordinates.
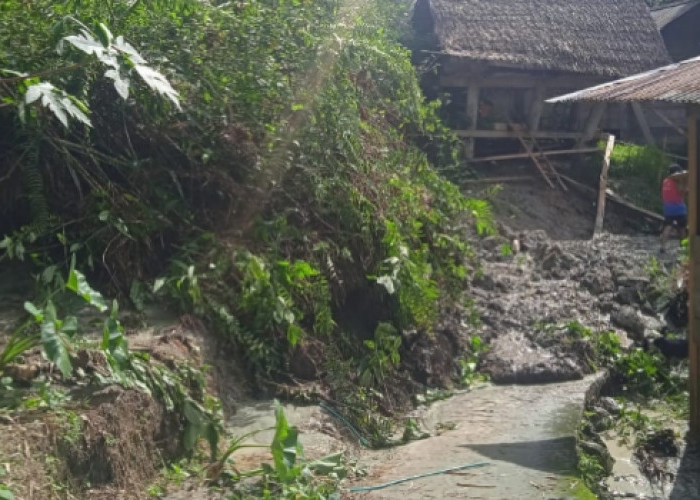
(554, 274)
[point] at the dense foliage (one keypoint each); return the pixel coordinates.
(251, 161)
(636, 172)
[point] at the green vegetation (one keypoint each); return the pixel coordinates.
(650, 392)
(5, 492)
(636, 173)
(288, 476)
(260, 173)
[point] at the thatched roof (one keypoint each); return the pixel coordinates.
(665, 15)
(597, 37)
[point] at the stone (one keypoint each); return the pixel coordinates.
(514, 359)
(610, 405)
(628, 318)
(599, 282)
(627, 295)
(485, 282)
(600, 452)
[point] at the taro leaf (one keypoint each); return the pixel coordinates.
(388, 283)
(157, 82)
(104, 35)
(121, 83)
(34, 311)
(129, 50)
(285, 447)
(158, 284)
(196, 424)
(329, 464)
(114, 342)
(70, 326)
(190, 436)
(211, 434)
(5, 494)
(78, 284)
(55, 347)
(59, 103)
(86, 42)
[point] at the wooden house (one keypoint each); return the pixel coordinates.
(498, 60)
(679, 24)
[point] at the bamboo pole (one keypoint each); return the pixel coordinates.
(614, 199)
(603, 185)
(472, 105)
(490, 180)
(553, 152)
(694, 275)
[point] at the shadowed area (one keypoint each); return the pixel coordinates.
(687, 481)
(556, 455)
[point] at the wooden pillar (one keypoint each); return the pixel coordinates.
(694, 275)
(592, 123)
(603, 185)
(533, 120)
(472, 117)
(642, 121)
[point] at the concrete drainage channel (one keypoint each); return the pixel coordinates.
(661, 466)
(527, 434)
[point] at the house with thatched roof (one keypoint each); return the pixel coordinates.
(498, 60)
(679, 24)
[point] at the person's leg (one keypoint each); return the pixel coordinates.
(684, 227)
(665, 231)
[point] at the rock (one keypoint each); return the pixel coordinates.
(627, 295)
(632, 281)
(610, 405)
(530, 240)
(512, 359)
(599, 282)
(652, 324)
(485, 282)
(606, 305)
(600, 452)
(629, 319)
(430, 358)
(493, 243)
(600, 419)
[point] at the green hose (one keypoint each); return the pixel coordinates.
(473, 465)
(335, 414)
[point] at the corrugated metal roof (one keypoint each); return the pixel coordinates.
(679, 83)
(665, 15)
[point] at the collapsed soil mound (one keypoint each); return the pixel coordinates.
(109, 447)
(602, 283)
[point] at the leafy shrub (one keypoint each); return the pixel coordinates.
(637, 172)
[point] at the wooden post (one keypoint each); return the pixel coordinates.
(472, 117)
(694, 275)
(592, 123)
(641, 119)
(603, 185)
(533, 120)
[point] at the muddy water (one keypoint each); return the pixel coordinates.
(626, 478)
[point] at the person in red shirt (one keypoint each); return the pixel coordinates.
(673, 191)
